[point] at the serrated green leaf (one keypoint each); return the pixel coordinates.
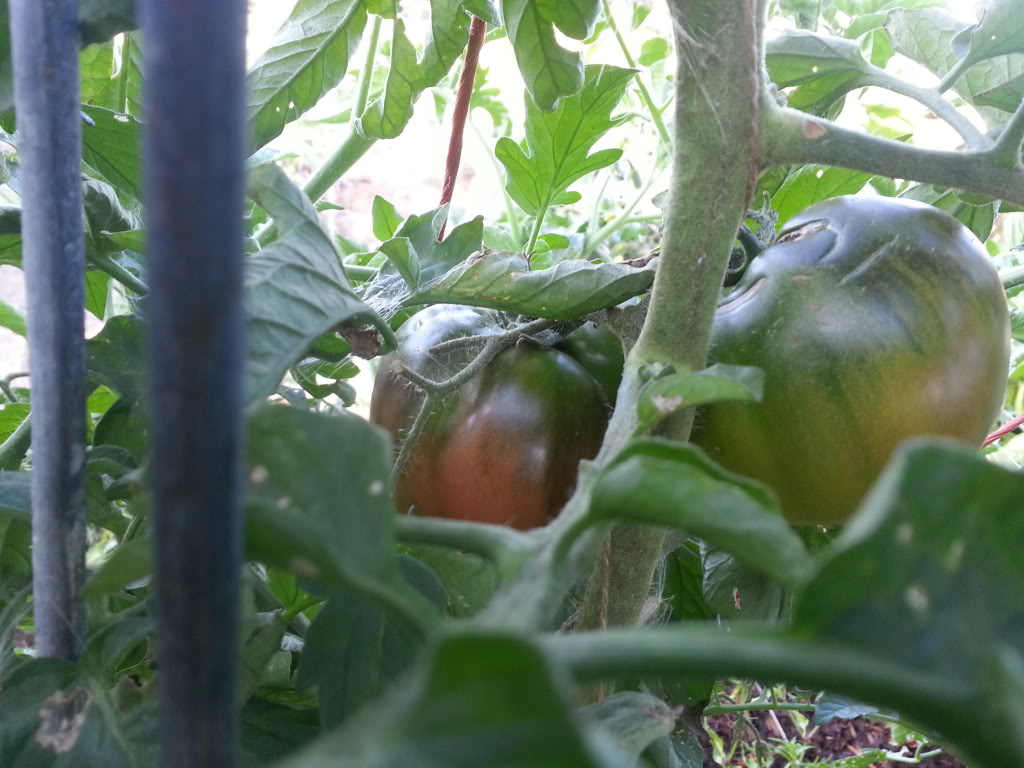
(100, 20)
(549, 70)
(999, 31)
(666, 395)
(385, 218)
(798, 56)
(111, 143)
(98, 87)
(12, 319)
(574, 18)
(558, 144)
(318, 502)
(504, 281)
(979, 218)
(296, 288)
(308, 58)
(654, 50)
(387, 115)
(944, 523)
(812, 183)
(633, 720)
(483, 699)
(926, 35)
(665, 483)
(115, 356)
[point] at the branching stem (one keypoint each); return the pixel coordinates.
(1007, 149)
(933, 100)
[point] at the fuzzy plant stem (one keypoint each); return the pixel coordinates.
(713, 176)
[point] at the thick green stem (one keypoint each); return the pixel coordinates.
(715, 167)
(351, 150)
(495, 543)
(656, 117)
(1007, 149)
(931, 99)
(789, 136)
(754, 706)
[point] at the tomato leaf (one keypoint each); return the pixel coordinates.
(999, 31)
(797, 56)
(549, 70)
(557, 148)
(356, 648)
(387, 115)
(812, 183)
(926, 36)
(830, 707)
(385, 218)
(111, 143)
(667, 394)
(318, 501)
(567, 290)
(664, 483)
(308, 58)
(12, 319)
(633, 720)
(484, 698)
(930, 556)
(296, 288)
(979, 218)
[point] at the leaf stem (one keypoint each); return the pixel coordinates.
(645, 95)
(789, 136)
(350, 151)
(107, 264)
(621, 220)
(1007, 149)
(537, 224)
(495, 543)
(1011, 278)
(930, 98)
(366, 76)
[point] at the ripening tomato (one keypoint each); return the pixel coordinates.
(504, 448)
(874, 320)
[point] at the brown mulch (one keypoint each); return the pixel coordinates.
(832, 741)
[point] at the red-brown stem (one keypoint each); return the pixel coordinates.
(1003, 431)
(451, 165)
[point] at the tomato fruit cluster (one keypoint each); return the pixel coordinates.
(874, 320)
(504, 448)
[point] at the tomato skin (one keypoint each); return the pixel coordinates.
(506, 446)
(887, 320)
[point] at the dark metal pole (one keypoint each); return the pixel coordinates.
(45, 40)
(194, 187)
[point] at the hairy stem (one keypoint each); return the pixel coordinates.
(933, 100)
(1007, 149)
(789, 136)
(718, 82)
(494, 543)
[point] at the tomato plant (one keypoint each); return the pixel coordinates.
(210, 570)
(505, 447)
(874, 320)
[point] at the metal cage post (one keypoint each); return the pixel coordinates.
(45, 43)
(194, 52)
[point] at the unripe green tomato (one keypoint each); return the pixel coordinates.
(874, 320)
(506, 446)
